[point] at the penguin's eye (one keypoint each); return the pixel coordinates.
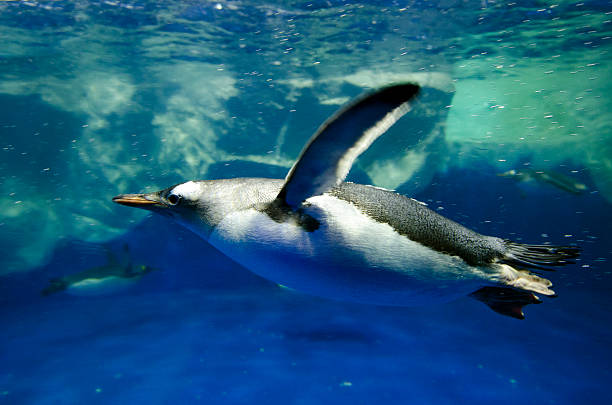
(173, 199)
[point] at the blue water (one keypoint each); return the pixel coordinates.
(99, 98)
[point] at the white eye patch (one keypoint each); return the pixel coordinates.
(189, 190)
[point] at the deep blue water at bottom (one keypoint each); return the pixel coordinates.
(204, 330)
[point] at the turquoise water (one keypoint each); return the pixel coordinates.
(102, 98)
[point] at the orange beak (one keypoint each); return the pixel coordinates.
(139, 200)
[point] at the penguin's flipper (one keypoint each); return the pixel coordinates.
(330, 153)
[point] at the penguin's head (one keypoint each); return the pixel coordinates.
(189, 204)
(201, 205)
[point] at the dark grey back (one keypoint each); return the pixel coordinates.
(420, 224)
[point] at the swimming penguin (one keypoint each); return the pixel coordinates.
(314, 233)
(558, 180)
(116, 275)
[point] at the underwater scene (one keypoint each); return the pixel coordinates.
(510, 135)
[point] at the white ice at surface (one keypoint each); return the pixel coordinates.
(390, 174)
(188, 139)
(374, 78)
(96, 94)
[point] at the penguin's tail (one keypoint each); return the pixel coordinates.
(519, 260)
(539, 257)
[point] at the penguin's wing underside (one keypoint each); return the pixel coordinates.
(330, 153)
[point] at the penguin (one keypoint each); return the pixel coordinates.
(114, 276)
(558, 180)
(315, 233)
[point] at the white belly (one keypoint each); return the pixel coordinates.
(350, 257)
(100, 286)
